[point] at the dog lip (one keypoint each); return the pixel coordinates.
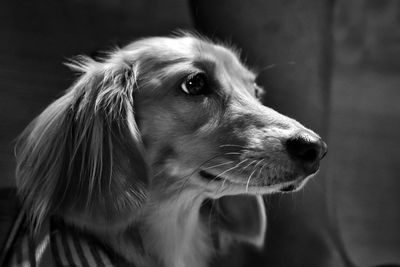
(297, 183)
(288, 188)
(210, 176)
(311, 169)
(215, 178)
(283, 187)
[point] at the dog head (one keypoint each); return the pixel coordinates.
(200, 117)
(160, 117)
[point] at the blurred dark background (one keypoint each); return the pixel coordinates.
(333, 65)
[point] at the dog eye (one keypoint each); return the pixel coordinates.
(195, 84)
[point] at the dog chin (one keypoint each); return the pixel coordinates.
(227, 186)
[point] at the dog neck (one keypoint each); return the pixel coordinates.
(176, 234)
(168, 233)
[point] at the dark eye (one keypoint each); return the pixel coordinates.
(195, 84)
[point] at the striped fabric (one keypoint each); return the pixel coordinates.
(61, 246)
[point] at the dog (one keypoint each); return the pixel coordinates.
(162, 150)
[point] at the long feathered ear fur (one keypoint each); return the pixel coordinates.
(82, 155)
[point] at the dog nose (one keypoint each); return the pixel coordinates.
(307, 149)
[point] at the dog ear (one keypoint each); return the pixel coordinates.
(241, 218)
(83, 154)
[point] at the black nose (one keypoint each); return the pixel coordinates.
(307, 149)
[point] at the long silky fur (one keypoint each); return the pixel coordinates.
(67, 154)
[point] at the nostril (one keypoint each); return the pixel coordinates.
(306, 150)
(308, 154)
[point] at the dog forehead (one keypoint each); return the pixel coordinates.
(226, 60)
(222, 55)
(190, 48)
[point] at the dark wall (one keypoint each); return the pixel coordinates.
(364, 160)
(290, 42)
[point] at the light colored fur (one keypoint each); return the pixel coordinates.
(124, 150)
(185, 239)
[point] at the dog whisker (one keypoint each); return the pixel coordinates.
(221, 164)
(227, 145)
(237, 165)
(258, 163)
(187, 177)
(262, 167)
(213, 204)
(248, 181)
(249, 165)
(224, 178)
(233, 153)
(110, 147)
(230, 169)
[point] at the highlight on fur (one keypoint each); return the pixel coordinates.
(67, 157)
(162, 176)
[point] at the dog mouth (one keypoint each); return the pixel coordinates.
(212, 178)
(288, 188)
(284, 187)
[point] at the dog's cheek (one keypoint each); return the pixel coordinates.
(196, 115)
